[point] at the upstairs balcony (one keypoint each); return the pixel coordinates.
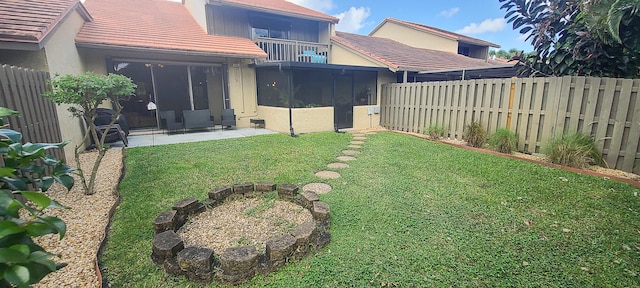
(281, 50)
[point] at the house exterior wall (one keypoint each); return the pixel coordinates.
(243, 93)
(340, 55)
(361, 117)
(36, 60)
(63, 58)
(197, 10)
(415, 38)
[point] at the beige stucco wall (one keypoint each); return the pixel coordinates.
(361, 117)
(63, 58)
(198, 11)
(305, 120)
(36, 60)
(343, 56)
(415, 38)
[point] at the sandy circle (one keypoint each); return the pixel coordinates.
(346, 158)
(319, 188)
(350, 152)
(338, 165)
(249, 221)
(328, 174)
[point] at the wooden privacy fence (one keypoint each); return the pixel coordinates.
(536, 109)
(21, 90)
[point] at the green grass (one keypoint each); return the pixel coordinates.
(408, 212)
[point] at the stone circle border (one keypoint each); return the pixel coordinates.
(237, 264)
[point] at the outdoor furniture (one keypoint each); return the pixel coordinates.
(228, 118)
(311, 56)
(255, 122)
(113, 134)
(197, 119)
(169, 120)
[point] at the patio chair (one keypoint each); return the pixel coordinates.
(197, 119)
(228, 118)
(168, 118)
(114, 134)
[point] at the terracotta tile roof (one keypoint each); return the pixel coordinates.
(434, 30)
(31, 21)
(156, 25)
(281, 7)
(399, 57)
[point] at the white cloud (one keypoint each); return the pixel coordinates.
(449, 12)
(353, 19)
(488, 25)
(320, 5)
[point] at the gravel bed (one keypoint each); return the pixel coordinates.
(86, 223)
(250, 221)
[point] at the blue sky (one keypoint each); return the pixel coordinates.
(481, 19)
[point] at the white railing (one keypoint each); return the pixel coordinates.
(294, 51)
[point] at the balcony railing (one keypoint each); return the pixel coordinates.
(294, 51)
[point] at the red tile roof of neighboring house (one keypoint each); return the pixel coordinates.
(26, 21)
(398, 56)
(156, 25)
(281, 7)
(441, 32)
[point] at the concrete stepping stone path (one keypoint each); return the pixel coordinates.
(356, 142)
(346, 158)
(359, 135)
(360, 138)
(350, 152)
(354, 146)
(319, 188)
(337, 165)
(328, 174)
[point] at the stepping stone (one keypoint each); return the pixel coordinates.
(328, 174)
(346, 158)
(355, 146)
(319, 188)
(370, 133)
(356, 142)
(359, 135)
(359, 138)
(350, 152)
(338, 165)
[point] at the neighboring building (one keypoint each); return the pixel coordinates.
(266, 59)
(427, 37)
(40, 35)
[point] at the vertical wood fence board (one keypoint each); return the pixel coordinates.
(563, 102)
(619, 124)
(576, 106)
(455, 110)
(604, 114)
(525, 111)
(423, 107)
(590, 111)
(537, 113)
(631, 150)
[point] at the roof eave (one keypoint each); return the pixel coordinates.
(391, 67)
(272, 11)
(18, 45)
(75, 7)
(484, 43)
(167, 51)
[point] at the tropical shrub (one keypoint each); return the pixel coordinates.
(23, 173)
(434, 131)
(475, 135)
(503, 141)
(575, 150)
(85, 93)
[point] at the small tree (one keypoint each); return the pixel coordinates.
(22, 262)
(85, 93)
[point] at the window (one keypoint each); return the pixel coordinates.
(269, 27)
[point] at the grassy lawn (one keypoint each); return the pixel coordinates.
(408, 212)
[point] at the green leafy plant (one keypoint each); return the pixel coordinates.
(434, 131)
(503, 140)
(575, 150)
(86, 93)
(24, 173)
(475, 135)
